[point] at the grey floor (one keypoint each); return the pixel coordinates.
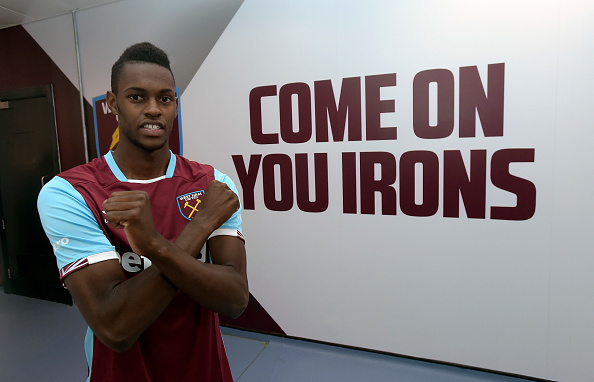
(42, 341)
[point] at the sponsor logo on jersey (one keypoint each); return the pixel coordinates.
(63, 241)
(189, 203)
(133, 263)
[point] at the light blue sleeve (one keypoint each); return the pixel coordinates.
(70, 225)
(234, 222)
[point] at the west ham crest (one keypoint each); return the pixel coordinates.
(189, 203)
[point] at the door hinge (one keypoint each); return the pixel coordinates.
(6, 105)
(3, 226)
(9, 276)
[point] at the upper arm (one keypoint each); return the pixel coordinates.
(92, 286)
(234, 222)
(89, 265)
(228, 250)
(71, 227)
(226, 244)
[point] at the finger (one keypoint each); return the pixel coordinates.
(114, 206)
(127, 196)
(127, 193)
(115, 219)
(124, 203)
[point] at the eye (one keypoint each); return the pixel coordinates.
(135, 97)
(166, 99)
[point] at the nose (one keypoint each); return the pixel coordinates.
(153, 108)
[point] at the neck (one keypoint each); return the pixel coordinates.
(142, 165)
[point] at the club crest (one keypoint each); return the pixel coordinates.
(189, 203)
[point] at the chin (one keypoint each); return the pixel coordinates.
(152, 145)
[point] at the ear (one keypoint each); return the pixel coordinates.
(112, 103)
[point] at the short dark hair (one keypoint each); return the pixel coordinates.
(140, 52)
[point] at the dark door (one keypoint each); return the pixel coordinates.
(28, 158)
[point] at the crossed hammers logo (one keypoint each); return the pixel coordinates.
(194, 208)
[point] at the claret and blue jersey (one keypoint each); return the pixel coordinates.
(70, 207)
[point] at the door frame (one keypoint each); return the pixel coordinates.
(6, 96)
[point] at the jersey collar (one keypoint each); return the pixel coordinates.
(122, 178)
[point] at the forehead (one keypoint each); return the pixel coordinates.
(145, 75)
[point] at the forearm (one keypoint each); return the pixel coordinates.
(130, 307)
(221, 288)
(124, 308)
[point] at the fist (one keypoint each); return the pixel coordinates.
(131, 211)
(218, 204)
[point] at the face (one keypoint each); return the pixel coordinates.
(146, 106)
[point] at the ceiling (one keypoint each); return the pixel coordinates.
(16, 12)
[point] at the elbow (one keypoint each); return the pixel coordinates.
(116, 341)
(236, 309)
(120, 346)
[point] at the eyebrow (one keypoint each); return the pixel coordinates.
(139, 89)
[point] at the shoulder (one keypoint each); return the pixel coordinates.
(221, 177)
(57, 190)
(189, 168)
(71, 188)
(196, 170)
(93, 171)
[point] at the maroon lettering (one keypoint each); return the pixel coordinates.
(473, 100)
(375, 106)
(457, 182)
(349, 106)
(445, 104)
(430, 166)
(283, 162)
(256, 128)
(524, 189)
(320, 203)
(304, 124)
(247, 178)
(349, 183)
(370, 185)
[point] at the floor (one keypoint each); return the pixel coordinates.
(42, 341)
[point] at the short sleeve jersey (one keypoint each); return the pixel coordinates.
(184, 343)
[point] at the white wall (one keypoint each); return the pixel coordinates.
(503, 295)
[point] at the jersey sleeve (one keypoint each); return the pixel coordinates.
(71, 228)
(231, 227)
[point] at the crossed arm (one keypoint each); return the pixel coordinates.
(119, 310)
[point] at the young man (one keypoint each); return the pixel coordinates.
(128, 230)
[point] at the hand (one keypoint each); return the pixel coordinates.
(218, 204)
(131, 211)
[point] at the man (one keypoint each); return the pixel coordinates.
(110, 219)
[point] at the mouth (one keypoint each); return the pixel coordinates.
(152, 127)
